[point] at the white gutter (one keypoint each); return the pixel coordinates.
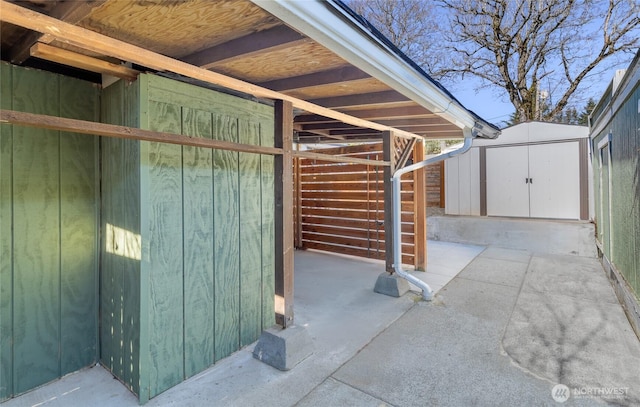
(427, 292)
(346, 37)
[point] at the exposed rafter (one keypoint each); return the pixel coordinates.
(364, 99)
(331, 76)
(104, 45)
(249, 45)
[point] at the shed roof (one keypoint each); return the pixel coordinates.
(318, 52)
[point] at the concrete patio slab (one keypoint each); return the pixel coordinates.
(535, 235)
(568, 327)
(506, 330)
(505, 272)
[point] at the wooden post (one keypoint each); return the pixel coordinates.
(420, 209)
(284, 213)
(387, 173)
(298, 200)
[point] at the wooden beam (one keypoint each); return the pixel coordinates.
(70, 58)
(249, 45)
(71, 12)
(284, 213)
(387, 173)
(107, 46)
(320, 132)
(340, 159)
(298, 198)
(109, 130)
(363, 99)
(420, 210)
(415, 121)
(392, 113)
(344, 74)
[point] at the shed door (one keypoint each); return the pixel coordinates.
(555, 180)
(507, 190)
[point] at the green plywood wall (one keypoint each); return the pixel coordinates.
(48, 230)
(205, 227)
(120, 260)
(619, 233)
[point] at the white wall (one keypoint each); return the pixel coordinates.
(462, 173)
(462, 184)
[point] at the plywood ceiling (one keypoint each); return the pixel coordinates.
(238, 39)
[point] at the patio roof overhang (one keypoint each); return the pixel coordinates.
(346, 83)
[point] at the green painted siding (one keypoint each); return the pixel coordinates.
(120, 268)
(619, 233)
(205, 228)
(48, 225)
(6, 241)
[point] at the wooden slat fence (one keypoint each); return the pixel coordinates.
(340, 206)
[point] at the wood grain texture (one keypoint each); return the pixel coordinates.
(343, 205)
(36, 236)
(166, 254)
(268, 226)
(250, 235)
(198, 245)
(6, 240)
(130, 213)
(78, 230)
(227, 240)
(113, 110)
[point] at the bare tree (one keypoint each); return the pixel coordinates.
(411, 25)
(539, 52)
(534, 48)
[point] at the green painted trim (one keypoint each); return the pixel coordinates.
(6, 239)
(145, 266)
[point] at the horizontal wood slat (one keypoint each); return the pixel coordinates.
(355, 149)
(352, 223)
(353, 214)
(351, 195)
(354, 251)
(342, 205)
(350, 186)
(350, 232)
(370, 205)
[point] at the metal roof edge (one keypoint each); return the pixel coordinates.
(627, 84)
(332, 24)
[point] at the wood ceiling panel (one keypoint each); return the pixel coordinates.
(302, 58)
(339, 89)
(178, 28)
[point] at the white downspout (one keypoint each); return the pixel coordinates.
(427, 292)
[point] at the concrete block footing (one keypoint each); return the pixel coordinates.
(391, 285)
(283, 348)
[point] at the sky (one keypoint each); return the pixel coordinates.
(484, 102)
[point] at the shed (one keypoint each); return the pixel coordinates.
(615, 138)
(534, 170)
(147, 174)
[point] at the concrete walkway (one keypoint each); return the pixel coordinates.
(509, 327)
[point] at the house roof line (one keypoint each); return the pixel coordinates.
(335, 26)
(105, 45)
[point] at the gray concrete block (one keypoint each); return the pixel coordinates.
(283, 348)
(391, 285)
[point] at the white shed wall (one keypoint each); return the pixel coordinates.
(463, 183)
